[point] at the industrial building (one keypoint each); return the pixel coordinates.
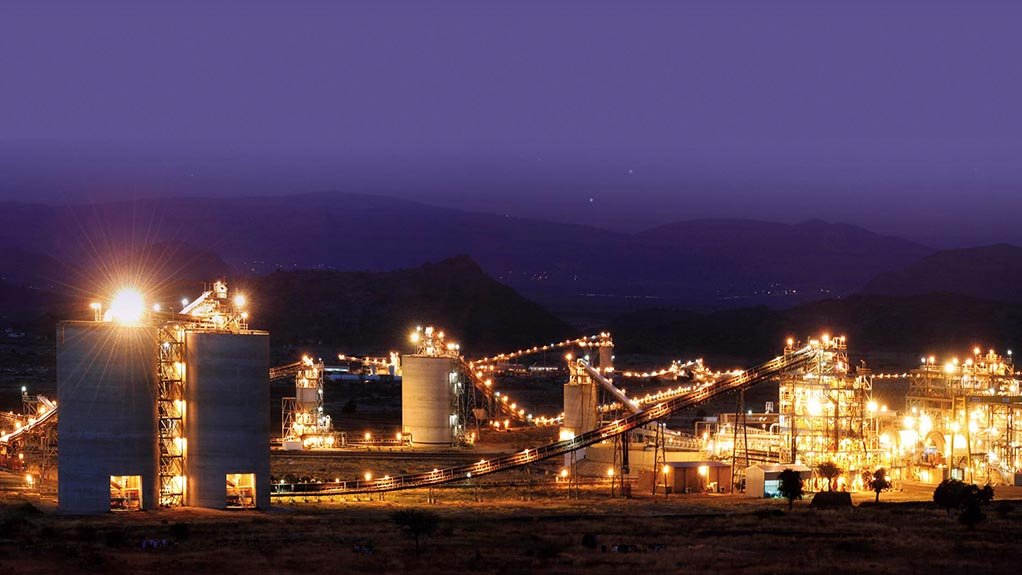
(763, 480)
(961, 419)
(163, 408)
(687, 477)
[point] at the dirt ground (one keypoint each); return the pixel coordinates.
(512, 530)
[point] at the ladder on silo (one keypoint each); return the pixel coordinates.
(170, 427)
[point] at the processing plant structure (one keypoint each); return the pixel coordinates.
(963, 416)
(163, 408)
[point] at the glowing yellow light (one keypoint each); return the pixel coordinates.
(872, 406)
(564, 473)
(610, 472)
(128, 307)
(239, 300)
(909, 422)
(368, 475)
(949, 367)
(925, 425)
(414, 337)
(814, 407)
(703, 470)
(96, 305)
(157, 307)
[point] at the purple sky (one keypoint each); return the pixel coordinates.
(905, 117)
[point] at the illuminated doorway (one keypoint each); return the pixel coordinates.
(241, 490)
(125, 492)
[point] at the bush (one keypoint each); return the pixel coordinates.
(791, 486)
(829, 471)
(416, 523)
(966, 498)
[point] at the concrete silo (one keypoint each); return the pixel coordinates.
(227, 425)
(430, 391)
(581, 400)
(108, 455)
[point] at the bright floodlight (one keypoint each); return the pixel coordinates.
(127, 307)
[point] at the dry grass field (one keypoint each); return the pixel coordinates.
(517, 530)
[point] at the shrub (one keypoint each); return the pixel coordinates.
(791, 486)
(829, 471)
(416, 523)
(878, 482)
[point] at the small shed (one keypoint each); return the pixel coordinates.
(689, 477)
(762, 480)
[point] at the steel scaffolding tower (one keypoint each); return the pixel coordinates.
(171, 382)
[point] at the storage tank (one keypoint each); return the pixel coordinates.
(107, 424)
(227, 419)
(428, 400)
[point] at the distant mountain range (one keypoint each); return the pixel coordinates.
(899, 329)
(708, 264)
(987, 272)
(354, 312)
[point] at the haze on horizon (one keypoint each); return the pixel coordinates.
(899, 116)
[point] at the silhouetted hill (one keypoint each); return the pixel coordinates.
(150, 265)
(989, 272)
(721, 263)
(372, 312)
(873, 324)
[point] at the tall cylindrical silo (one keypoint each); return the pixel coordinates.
(107, 424)
(580, 408)
(428, 408)
(227, 419)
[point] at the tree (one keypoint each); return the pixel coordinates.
(948, 495)
(416, 523)
(973, 498)
(790, 486)
(966, 498)
(829, 471)
(878, 482)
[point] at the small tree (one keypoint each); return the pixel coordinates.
(416, 523)
(948, 495)
(878, 482)
(973, 498)
(791, 486)
(829, 471)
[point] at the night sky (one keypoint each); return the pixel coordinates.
(900, 116)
